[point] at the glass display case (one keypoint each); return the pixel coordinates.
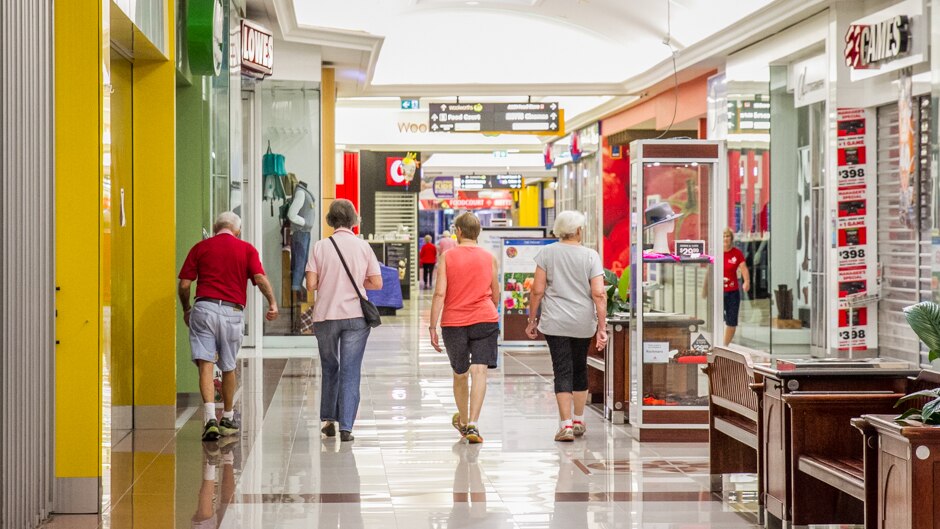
(678, 200)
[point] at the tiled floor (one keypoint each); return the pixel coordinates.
(407, 468)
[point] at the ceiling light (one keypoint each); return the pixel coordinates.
(473, 3)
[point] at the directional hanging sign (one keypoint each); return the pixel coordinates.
(544, 118)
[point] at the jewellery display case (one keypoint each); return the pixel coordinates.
(679, 210)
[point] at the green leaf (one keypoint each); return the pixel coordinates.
(924, 319)
(624, 286)
(933, 355)
(931, 412)
(920, 394)
(610, 277)
(913, 414)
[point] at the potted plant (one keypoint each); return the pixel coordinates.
(924, 319)
(618, 291)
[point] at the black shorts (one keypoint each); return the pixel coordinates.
(473, 344)
(732, 307)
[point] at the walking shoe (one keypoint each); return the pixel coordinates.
(455, 421)
(578, 428)
(329, 429)
(346, 435)
(228, 427)
(211, 431)
(472, 434)
(565, 435)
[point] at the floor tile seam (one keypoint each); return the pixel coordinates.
(114, 501)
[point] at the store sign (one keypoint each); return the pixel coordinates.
(519, 118)
(750, 115)
(443, 187)
(205, 31)
(867, 45)
(257, 50)
(395, 172)
(498, 181)
(807, 80)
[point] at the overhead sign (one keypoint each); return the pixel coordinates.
(257, 50)
(443, 187)
(410, 104)
(866, 45)
(519, 118)
(498, 181)
(205, 33)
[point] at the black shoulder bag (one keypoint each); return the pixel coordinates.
(369, 311)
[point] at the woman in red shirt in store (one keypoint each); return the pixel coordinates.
(428, 258)
(733, 265)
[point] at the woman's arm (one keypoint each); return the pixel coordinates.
(746, 274)
(599, 295)
(495, 283)
(437, 303)
(535, 301)
(373, 282)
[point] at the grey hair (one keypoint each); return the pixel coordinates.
(227, 220)
(446, 234)
(567, 223)
(428, 238)
(342, 214)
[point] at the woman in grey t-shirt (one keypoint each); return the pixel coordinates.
(569, 290)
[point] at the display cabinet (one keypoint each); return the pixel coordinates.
(679, 210)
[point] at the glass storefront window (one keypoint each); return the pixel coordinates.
(290, 132)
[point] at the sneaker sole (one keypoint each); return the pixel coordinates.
(455, 422)
(474, 439)
(227, 431)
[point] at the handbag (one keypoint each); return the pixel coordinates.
(369, 311)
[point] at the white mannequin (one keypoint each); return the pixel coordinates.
(294, 209)
(661, 236)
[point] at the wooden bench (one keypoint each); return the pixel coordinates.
(828, 456)
(734, 418)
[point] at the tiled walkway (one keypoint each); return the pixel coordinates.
(407, 468)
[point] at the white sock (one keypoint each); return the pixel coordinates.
(208, 472)
(565, 423)
(208, 412)
(578, 418)
(228, 458)
(230, 414)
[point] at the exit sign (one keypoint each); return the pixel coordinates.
(410, 104)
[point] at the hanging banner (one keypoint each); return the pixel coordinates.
(906, 157)
(855, 226)
(517, 274)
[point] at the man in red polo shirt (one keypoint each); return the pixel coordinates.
(221, 266)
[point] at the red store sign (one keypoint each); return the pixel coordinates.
(257, 50)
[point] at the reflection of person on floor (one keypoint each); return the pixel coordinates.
(428, 258)
(464, 303)
(469, 491)
(341, 460)
(569, 290)
(221, 266)
(568, 475)
(208, 515)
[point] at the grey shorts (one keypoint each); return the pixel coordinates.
(473, 344)
(215, 334)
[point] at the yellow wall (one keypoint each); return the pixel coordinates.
(328, 145)
(78, 118)
(530, 206)
(155, 231)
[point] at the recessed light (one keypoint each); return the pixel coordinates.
(472, 3)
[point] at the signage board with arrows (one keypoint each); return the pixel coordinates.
(543, 118)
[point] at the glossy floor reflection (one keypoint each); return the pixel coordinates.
(407, 468)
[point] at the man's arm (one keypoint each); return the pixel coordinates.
(373, 282)
(183, 290)
(495, 283)
(265, 287)
(437, 304)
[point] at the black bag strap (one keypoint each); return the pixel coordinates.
(348, 273)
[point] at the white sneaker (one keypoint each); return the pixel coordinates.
(565, 435)
(578, 428)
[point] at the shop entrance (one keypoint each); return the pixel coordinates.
(118, 251)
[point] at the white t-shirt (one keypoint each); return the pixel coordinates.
(568, 308)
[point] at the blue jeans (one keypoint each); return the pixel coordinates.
(342, 345)
(299, 252)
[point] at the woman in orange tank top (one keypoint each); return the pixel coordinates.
(465, 300)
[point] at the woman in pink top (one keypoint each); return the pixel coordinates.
(340, 328)
(467, 293)
(446, 243)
